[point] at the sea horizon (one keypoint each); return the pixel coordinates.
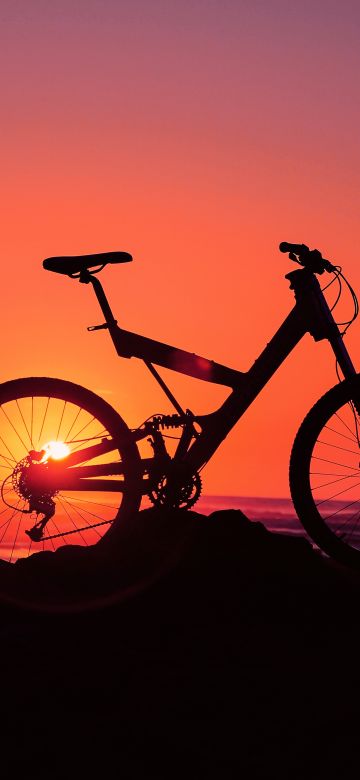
(277, 514)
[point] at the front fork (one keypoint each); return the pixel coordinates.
(342, 356)
(319, 321)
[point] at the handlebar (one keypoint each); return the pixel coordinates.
(309, 258)
(296, 248)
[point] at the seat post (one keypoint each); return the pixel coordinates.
(88, 278)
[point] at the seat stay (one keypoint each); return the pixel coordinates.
(93, 485)
(100, 486)
(84, 478)
(88, 453)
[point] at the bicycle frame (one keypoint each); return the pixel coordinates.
(311, 314)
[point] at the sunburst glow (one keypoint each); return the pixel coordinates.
(57, 450)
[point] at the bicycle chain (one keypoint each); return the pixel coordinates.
(76, 530)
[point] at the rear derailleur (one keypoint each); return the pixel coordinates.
(44, 506)
(29, 483)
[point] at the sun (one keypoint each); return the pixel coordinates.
(56, 450)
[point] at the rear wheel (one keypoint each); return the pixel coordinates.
(50, 427)
(325, 473)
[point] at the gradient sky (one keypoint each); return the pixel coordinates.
(197, 136)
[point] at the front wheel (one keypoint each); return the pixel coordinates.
(325, 473)
(69, 468)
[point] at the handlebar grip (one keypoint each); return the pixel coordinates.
(298, 249)
(311, 259)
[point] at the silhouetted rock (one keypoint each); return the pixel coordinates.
(224, 649)
(222, 557)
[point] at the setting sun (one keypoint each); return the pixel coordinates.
(56, 450)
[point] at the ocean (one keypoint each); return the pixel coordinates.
(277, 514)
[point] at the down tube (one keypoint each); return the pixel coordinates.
(217, 425)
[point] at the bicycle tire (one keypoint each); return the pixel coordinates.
(61, 408)
(325, 473)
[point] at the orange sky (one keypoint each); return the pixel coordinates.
(196, 136)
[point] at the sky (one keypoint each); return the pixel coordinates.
(197, 136)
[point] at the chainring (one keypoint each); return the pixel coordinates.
(173, 492)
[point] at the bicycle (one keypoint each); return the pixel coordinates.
(71, 467)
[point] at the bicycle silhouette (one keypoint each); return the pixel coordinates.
(71, 468)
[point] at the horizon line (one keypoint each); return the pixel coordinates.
(238, 495)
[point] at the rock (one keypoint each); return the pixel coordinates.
(206, 646)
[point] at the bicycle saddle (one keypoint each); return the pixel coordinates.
(75, 264)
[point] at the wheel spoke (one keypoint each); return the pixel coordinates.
(71, 520)
(341, 509)
(348, 534)
(92, 514)
(337, 447)
(336, 463)
(14, 429)
(87, 501)
(12, 458)
(346, 426)
(43, 421)
(60, 421)
(340, 493)
(32, 422)
(81, 430)
(15, 539)
(343, 435)
(8, 522)
(78, 412)
(81, 515)
(332, 481)
(25, 426)
(10, 464)
(331, 474)
(58, 532)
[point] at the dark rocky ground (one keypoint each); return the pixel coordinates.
(228, 652)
